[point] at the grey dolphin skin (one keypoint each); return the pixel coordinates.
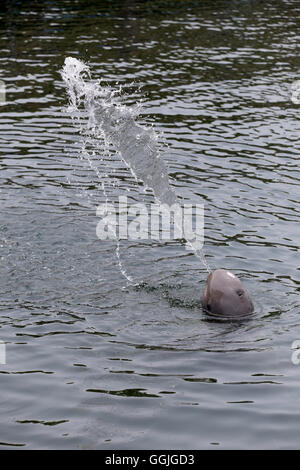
(225, 294)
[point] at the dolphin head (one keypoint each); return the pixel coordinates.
(225, 294)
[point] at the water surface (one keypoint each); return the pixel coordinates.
(94, 362)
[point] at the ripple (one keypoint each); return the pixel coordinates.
(216, 86)
(132, 392)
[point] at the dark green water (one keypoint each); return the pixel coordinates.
(91, 361)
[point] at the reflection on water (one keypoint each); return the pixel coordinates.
(93, 362)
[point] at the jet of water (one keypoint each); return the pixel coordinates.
(99, 113)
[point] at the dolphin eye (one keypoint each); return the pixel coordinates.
(239, 292)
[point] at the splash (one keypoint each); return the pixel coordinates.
(99, 113)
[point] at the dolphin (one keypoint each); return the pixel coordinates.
(225, 294)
